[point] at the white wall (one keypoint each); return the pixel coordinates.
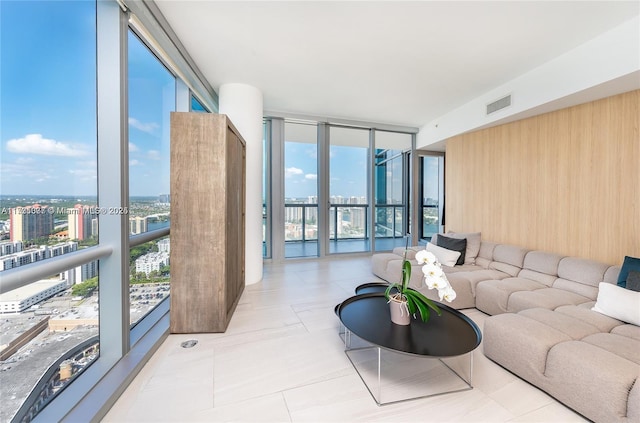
(606, 65)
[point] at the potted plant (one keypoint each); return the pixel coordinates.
(406, 301)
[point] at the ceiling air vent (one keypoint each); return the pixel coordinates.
(499, 104)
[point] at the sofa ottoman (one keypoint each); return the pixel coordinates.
(586, 360)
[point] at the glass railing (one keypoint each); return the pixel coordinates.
(346, 221)
(389, 221)
(430, 221)
(301, 222)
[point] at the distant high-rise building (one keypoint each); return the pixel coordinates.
(9, 247)
(32, 255)
(164, 245)
(137, 225)
(164, 198)
(151, 261)
(80, 221)
(358, 217)
(30, 222)
(293, 214)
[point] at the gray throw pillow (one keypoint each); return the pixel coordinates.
(633, 280)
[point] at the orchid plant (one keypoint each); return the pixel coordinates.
(434, 277)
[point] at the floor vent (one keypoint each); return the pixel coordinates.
(499, 104)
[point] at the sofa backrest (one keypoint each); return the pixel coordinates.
(541, 267)
(485, 256)
(581, 276)
(508, 259)
(611, 275)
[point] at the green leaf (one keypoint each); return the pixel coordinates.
(425, 300)
(406, 274)
(411, 304)
(424, 311)
(389, 288)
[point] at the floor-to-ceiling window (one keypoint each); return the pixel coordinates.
(266, 185)
(391, 190)
(432, 195)
(337, 197)
(48, 198)
(197, 106)
(152, 97)
(301, 189)
(82, 93)
(348, 190)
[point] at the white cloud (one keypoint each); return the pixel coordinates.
(149, 127)
(133, 147)
(35, 144)
(21, 171)
(292, 171)
(134, 162)
(312, 176)
(153, 154)
(84, 174)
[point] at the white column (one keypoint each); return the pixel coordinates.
(243, 104)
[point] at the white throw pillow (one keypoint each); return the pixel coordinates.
(618, 302)
(444, 256)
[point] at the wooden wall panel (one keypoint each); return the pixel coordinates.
(566, 182)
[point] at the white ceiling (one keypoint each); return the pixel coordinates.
(394, 62)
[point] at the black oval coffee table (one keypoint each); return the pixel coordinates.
(449, 336)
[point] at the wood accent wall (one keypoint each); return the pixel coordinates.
(565, 182)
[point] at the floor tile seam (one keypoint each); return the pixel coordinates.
(250, 341)
(299, 318)
(286, 405)
(554, 402)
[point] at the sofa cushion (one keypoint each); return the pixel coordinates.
(569, 325)
(520, 344)
(485, 256)
(492, 296)
(549, 298)
(473, 244)
(508, 258)
(629, 263)
(619, 303)
(541, 267)
(611, 275)
(602, 322)
(630, 331)
(622, 346)
(591, 380)
(581, 276)
(585, 271)
(382, 263)
(455, 244)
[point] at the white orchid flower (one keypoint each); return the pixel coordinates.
(433, 271)
(425, 257)
(448, 294)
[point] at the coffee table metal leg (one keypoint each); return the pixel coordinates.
(379, 381)
(376, 393)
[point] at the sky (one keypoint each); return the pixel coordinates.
(48, 112)
(47, 98)
(48, 104)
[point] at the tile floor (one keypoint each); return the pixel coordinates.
(281, 360)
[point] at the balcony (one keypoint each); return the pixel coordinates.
(352, 234)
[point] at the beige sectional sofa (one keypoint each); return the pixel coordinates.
(542, 327)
